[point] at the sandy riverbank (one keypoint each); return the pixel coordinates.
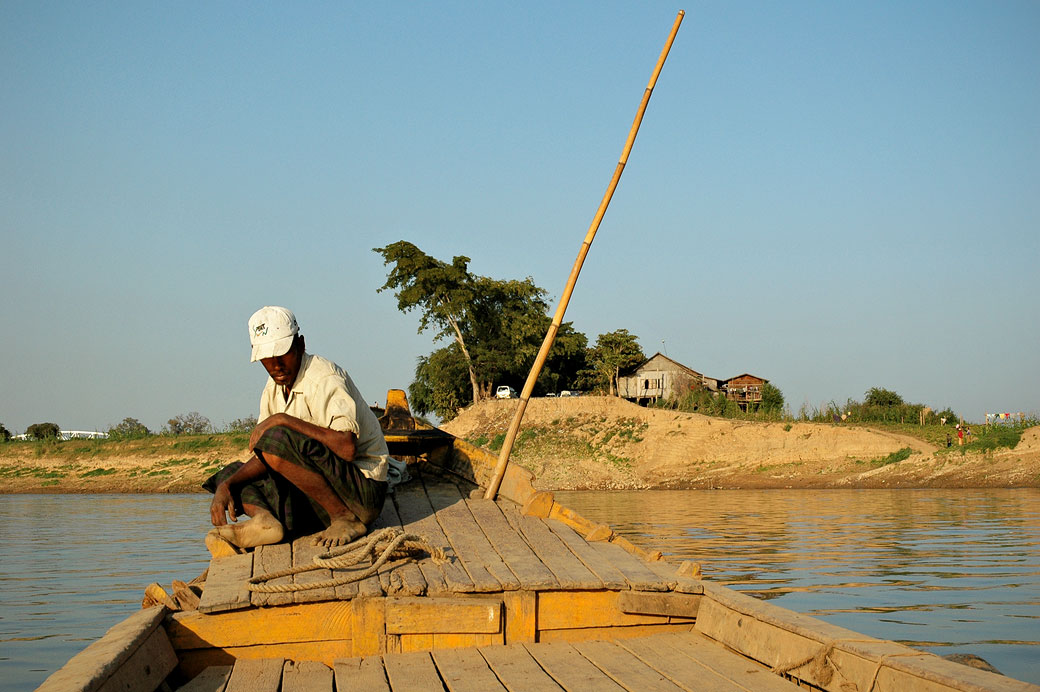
(574, 443)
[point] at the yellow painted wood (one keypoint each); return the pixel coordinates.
(158, 596)
(369, 626)
(521, 616)
(292, 623)
(668, 603)
(442, 615)
(413, 642)
(572, 519)
(576, 609)
(539, 504)
(457, 641)
(195, 661)
(601, 532)
(583, 634)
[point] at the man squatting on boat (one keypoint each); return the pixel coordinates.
(320, 464)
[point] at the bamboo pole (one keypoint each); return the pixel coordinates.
(550, 336)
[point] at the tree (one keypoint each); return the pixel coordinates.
(5, 434)
(496, 326)
(192, 423)
(876, 396)
(772, 398)
(614, 351)
(242, 425)
(43, 431)
(129, 429)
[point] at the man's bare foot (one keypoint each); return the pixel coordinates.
(263, 529)
(340, 532)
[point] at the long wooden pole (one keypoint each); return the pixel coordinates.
(550, 336)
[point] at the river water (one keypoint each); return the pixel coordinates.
(949, 571)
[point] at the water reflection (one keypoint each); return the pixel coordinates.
(945, 570)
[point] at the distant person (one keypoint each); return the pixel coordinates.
(319, 464)
(967, 434)
(960, 435)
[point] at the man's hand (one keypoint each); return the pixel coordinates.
(223, 503)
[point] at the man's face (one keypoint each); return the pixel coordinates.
(283, 369)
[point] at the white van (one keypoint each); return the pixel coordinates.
(505, 392)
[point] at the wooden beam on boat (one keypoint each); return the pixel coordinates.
(443, 615)
(788, 641)
(134, 652)
(307, 622)
(212, 679)
(269, 559)
(597, 563)
(517, 555)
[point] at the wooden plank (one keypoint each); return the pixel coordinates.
(597, 563)
(96, 663)
(716, 658)
(256, 675)
(637, 574)
(673, 578)
(226, 584)
(656, 603)
(517, 555)
(369, 626)
(584, 634)
(284, 624)
(417, 516)
(411, 672)
(570, 669)
(306, 676)
(212, 679)
(147, 666)
(521, 623)
(625, 668)
(570, 572)
(487, 570)
(517, 670)
(303, 553)
(268, 559)
(684, 671)
(574, 609)
(465, 670)
(442, 615)
(195, 661)
(361, 675)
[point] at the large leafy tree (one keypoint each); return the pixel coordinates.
(876, 396)
(495, 328)
(43, 431)
(614, 352)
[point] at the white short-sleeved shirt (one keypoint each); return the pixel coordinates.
(324, 394)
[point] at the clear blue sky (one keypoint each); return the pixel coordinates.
(831, 195)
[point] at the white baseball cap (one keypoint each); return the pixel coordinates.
(271, 332)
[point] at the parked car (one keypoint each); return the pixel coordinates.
(505, 392)
(570, 392)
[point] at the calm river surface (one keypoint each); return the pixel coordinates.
(944, 570)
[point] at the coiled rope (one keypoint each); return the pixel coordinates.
(390, 544)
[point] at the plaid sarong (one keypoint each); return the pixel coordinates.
(298, 513)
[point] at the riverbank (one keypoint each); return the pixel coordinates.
(571, 444)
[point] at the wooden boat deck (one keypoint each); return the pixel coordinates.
(658, 663)
(492, 548)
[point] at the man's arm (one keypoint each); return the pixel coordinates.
(342, 443)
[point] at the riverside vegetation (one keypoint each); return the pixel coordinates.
(592, 442)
